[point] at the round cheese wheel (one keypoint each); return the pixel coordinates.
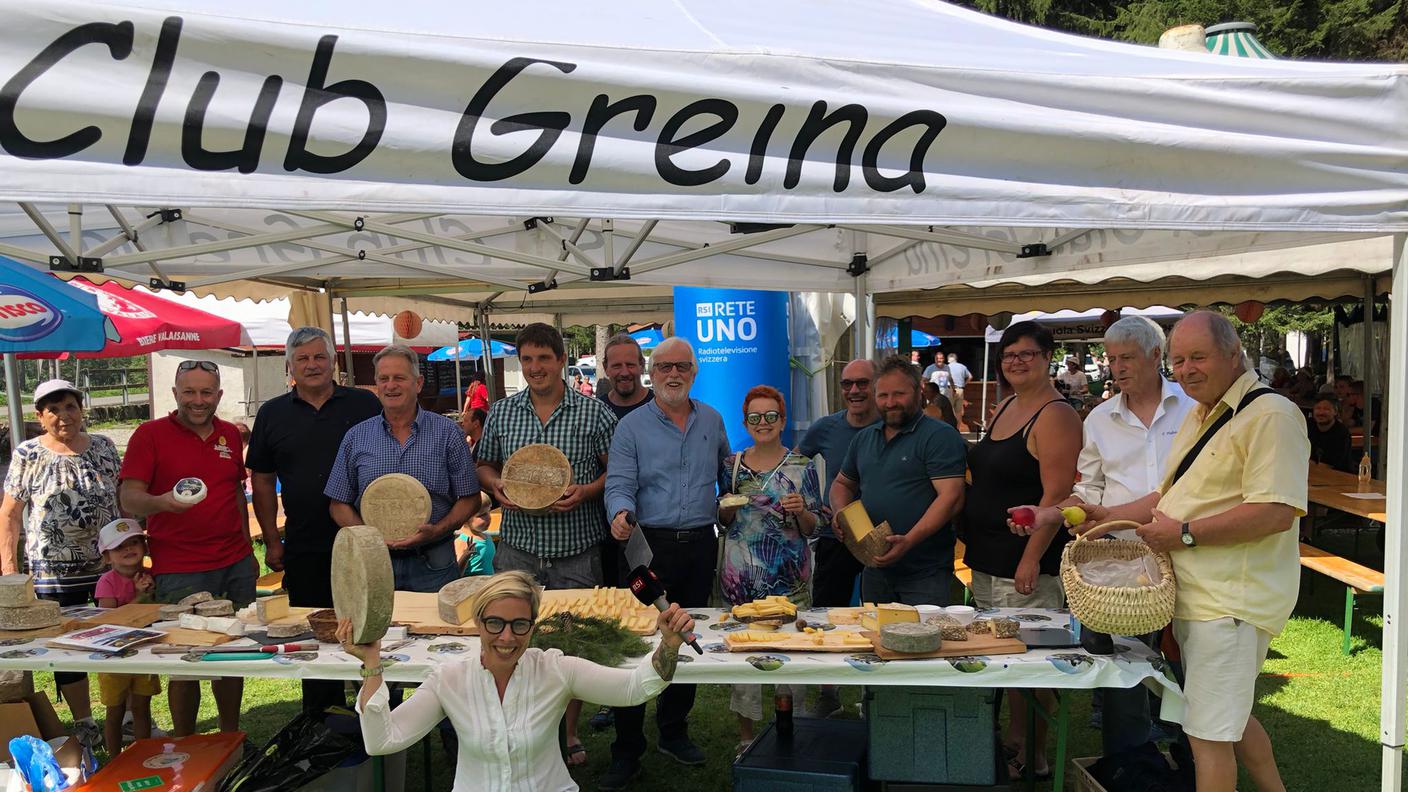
(189, 491)
(536, 476)
(215, 607)
(911, 637)
(363, 588)
(395, 504)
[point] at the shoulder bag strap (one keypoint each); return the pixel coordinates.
(1192, 455)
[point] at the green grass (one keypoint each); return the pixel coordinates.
(1320, 707)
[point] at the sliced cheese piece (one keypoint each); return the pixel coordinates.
(173, 612)
(456, 599)
(272, 608)
(363, 588)
(855, 520)
(35, 615)
(288, 629)
(889, 613)
(224, 624)
(191, 621)
(199, 596)
(16, 591)
(911, 637)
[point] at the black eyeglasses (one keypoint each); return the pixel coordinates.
(664, 366)
(771, 417)
(1025, 355)
(493, 625)
(203, 365)
(855, 383)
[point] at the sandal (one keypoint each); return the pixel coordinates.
(575, 749)
(1017, 770)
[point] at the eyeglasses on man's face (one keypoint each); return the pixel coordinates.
(769, 417)
(493, 625)
(665, 366)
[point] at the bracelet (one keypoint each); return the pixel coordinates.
(368, 673)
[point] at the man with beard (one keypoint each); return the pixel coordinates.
(194, 547)
(666, 464)
(624, 365)
(907, 471)
(294, 443)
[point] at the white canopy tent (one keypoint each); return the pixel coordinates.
(522, 156)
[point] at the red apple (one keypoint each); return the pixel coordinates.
(1024, 516)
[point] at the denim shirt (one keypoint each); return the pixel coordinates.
(669, 478)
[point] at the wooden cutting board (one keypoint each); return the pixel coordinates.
(133, 614)
(975, 645)
(42, 632)
(420, 612)
(180, 636)
(798, 642)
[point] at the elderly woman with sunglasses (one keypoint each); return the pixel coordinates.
(766, 550)
(505, 703)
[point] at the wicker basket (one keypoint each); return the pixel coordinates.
(1117, 610)
(323, 623)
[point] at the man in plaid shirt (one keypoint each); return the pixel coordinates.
(558, 547)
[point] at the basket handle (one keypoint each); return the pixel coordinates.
(1104, 528)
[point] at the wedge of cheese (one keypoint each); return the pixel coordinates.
(271, 608)
(889, 613)
(855, 520)
(16, 591)
(455, 602)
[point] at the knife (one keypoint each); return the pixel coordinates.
(638, 552)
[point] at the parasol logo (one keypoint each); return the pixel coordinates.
(25, 316)
(113, 305)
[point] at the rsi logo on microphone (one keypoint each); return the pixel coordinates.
(24, 316)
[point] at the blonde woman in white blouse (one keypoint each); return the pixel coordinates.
(505, 703)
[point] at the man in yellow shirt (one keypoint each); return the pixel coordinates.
(1227, 515)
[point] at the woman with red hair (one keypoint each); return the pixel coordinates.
(765, 545)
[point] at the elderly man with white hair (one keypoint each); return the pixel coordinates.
(666, 461)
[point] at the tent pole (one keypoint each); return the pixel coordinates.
(459, 383)
(347, 375)
(254, 378)
(486, 354)
(983, 410)
(13, 389)
(1395, 418)
(1369, 362)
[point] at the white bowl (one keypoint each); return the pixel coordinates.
(963, 613)
(925, 611)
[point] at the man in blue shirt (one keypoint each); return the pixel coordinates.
(834, 576)
(666, 462)
(424, 445)
(908, 471)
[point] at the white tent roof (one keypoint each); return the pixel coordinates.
(1074, 325)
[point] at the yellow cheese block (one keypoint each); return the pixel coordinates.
(889, 613)
(856, 520)
(272, 608)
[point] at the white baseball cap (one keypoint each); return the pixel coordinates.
(112, 535)
(50, 387)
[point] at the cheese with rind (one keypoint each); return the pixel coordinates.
(173, 612)
(220, 607)
(911, 637)
(198, 597)
(33, 616)
(363, 587)
(889, 613)
(190, 621)
(16, 591)
(456, 599)
(272, 607)
(287, 630)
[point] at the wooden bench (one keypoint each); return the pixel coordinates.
(1357, 579)
(962, 572)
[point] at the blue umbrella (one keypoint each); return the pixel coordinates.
(471, 349)
(40, 313)
(648, 338)
(918, 339)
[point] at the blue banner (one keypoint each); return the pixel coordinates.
(740, 338)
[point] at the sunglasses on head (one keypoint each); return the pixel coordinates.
(203, 365)
(493, 625)
(754, 418)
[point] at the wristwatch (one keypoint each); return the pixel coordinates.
(1188, 540)
(367, 673)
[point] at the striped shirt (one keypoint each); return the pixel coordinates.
(581, 428)
(435, 455)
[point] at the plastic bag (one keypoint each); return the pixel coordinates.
(302, 751)
(34, 761)
(1121, 573)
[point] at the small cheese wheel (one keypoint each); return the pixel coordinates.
(38, 614)
(189, 491)
(173, 612)
(196, 598)
(215, 607)
(288, 629)
(363, 587)
(911, 637)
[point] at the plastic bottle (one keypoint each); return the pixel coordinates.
(1364, 475)
(782, 706)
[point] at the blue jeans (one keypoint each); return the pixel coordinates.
(925, 588)
(1126, 722)
(426, 571)
(235, 582)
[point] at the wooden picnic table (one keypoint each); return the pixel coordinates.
(1335, 489)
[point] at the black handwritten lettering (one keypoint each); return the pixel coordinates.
(933, 123)
(602, 111)
(758, 152)
(246, 157)
(315, 96)
(141, 132)
(551, 124)
(818, 121)
(667, 146)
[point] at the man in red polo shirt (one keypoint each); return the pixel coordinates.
(194, 547)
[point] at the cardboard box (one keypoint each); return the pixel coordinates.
(32, 715)
(171, 764)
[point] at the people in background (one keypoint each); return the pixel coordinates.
(504, 701)
(291, 452)
(1330, 441)
(1071, 380)
(476, 396)
(123, 544)
(937, 407)
(766, 540)
(201, 547)
(676, 507)
(1227, 517)
(473, 424)
(1028, 456)
(907, 471)
(961, 375)
(68, 479)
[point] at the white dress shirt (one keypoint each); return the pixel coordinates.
(509, 745)
(1123, 460)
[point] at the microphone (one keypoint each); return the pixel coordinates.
(648, 589)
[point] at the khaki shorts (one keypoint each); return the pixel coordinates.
(1221, 660)
(113, 688)
(998, 592)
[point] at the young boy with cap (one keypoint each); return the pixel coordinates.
(123, 544)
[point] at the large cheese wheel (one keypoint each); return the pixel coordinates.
(456, 598)
(536, 476)
(363, 589)
(395, 504)
(41, 613)
(911, 637)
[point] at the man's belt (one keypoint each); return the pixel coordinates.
(677, 534)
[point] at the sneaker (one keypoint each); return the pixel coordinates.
(602, 720)
(88, 734)
(619, 774)
(683, 751)
(128, 736)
